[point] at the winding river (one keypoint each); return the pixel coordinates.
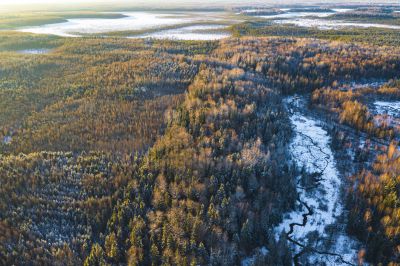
(314, 228)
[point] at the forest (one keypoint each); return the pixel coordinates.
(117, 151)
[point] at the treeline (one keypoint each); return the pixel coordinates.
(374, 201)
(51, 101)
(211, 188)
(303, 65)
(365, 36)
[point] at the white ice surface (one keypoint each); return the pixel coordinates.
(299, 14)
(332, 24)
(310, 149)
(390, 108)
(34, 51)
(198, 32)
(132, 21)
(342, 10)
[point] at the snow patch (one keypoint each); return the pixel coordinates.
(389, 108)
(34, 51)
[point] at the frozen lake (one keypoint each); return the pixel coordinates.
(295, 14)
(299, 14)
(332, 24)
(198, 32)
(303, 19)
(134, 21)
(187, 25)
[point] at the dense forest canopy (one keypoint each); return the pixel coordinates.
(117, 151)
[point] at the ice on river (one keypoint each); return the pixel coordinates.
(310, 149)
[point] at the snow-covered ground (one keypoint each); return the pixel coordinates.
(250, 260)
(34, 51)
(320, 203)
(299, 15)
(342, 10)
(387, 113)
(389, 108)
(7, 140)
(302, 19)
(256, 10)
(295, 14)
(332, 24)
(373, 85)
(133, 21)
(198, 32)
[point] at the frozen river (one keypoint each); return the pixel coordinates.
(319, 205)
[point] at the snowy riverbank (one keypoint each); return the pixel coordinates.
(313, 228)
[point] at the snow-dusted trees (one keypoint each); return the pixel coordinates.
(375, 207)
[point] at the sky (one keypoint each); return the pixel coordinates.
(21, 5)
(24, 2)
